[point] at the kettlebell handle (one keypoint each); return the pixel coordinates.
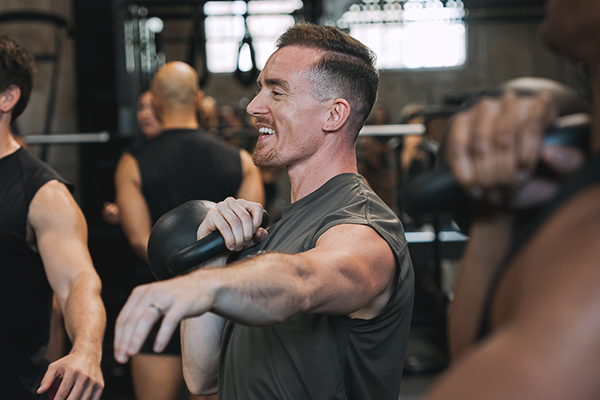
(201, 251)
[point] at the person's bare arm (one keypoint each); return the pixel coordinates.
(200, 349)
(348, 272)
(493, 149)
(489, 242)
(252, 187)
(201, 345)
(548, 346)
(332, 278)
(58, 229)
(135, 215)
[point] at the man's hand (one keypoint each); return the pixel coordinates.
(171, 300)
(494, 146)
(111, 213)
(186, 296)
(238, 220)
(77, 377)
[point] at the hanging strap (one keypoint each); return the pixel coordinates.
(247, 78)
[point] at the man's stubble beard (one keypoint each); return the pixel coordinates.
(262, 159)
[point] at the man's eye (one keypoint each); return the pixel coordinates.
(276, 93)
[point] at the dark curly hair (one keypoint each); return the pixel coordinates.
(346, 70)
(17, 66)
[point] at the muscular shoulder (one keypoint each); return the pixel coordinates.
(51, 201)
(53, 208)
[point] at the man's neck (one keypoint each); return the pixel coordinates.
(179, 121)
(307, 177)
(8, 144)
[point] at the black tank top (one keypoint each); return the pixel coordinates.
(588, 176)
(25, 294)
(181, 165)
(187, 164)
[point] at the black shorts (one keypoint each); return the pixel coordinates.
(173, 347)
(143, 276)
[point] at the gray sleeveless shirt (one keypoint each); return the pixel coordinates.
(318, 356)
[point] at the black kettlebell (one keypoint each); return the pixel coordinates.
(172, 247)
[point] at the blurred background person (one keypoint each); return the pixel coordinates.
(151, 127)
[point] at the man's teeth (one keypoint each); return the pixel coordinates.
(267, 131)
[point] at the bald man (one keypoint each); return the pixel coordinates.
(183, 163)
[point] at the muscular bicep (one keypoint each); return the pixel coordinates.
(60, 233)
(135, 214)
(351, 271)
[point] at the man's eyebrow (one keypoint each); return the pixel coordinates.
(277, 82)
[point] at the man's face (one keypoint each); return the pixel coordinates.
(572, 27)
(289, 119)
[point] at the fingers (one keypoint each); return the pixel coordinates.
(494, 144)
(78, 386)
(134, 323)
(69, 379)
(48, 380)
(236, 219)
(240, 222)
(260, 235)
(169, 301)
(534, 192)
(169, 323)
(68, 387)
(458, 152)
(97, 393)
(506, 141)
(563, 159)
(484, 162)
(541, 114)
(86, 393)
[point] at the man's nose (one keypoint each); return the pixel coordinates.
(256, 106)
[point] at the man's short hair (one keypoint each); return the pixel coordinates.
(17, 66)
(346, 70)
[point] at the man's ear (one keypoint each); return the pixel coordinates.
(9, 98)
(200, 98)
(339, 112)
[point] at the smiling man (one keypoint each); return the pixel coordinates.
(321, 307)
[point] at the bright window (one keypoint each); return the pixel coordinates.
(417, 34)
(225, 29)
